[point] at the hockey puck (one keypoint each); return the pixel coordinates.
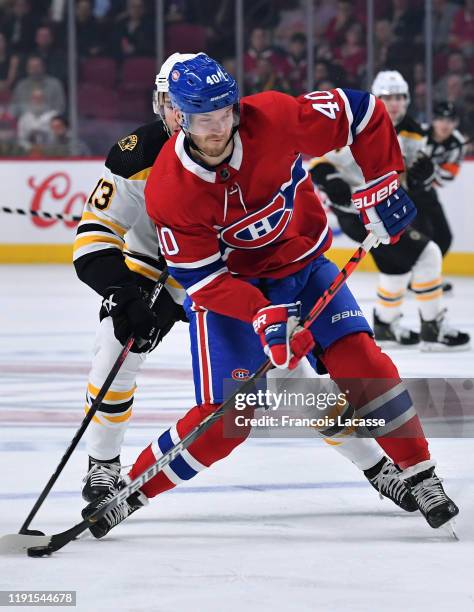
(39, 551)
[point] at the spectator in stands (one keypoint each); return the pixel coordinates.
(351, 54)
(259, 48)
(321, 73)
(407, 21)
(340, 23)
(60, 143)
(33, 124)
(37, 78)
(383, 41)
(443, 14)
(134, 32)
(456, 65)
(462, 31)
(8, 65)
(265, 77)
(53, 59)
(90, 37)
(20, 27)
(295, 64)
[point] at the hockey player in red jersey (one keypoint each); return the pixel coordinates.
(244, 233)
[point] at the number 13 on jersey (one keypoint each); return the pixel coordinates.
(323, 104)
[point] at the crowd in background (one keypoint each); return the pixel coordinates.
(117, 49)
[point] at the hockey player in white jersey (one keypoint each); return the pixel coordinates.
(116, 253)
(415, 257)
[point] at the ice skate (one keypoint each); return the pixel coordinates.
(117, 514)
(385, 478)
(394, 333)
(428, 492)
(101, 477)
(437, 335)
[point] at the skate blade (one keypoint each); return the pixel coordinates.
(450, 528)
(436, 347)
(18, 543)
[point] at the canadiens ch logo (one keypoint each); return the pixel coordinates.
(262, 227)
(240, 374)
(128, 143)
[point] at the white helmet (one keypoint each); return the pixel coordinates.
(161, 81)
(389, 83)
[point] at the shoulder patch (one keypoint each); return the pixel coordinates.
(128, 143)
(136, 153)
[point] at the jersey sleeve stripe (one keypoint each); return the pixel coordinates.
(199, 263)
(92, 248)
(205, 281)
(96, 237)
(367, 116)
(88, 216)
(350, 118)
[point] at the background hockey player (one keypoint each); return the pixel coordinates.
(244, 233)
(445, 149)
(116, 253)
(415, 257)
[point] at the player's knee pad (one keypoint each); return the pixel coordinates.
(220, 439)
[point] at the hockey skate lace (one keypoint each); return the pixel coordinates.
(118, 513)
(444, 328)
(389, 482)
(398, 329)
(429, 494)
(102, 475)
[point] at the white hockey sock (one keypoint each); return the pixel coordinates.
(427, 281)
(390, 293)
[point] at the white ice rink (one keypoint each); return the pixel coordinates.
(280, 525)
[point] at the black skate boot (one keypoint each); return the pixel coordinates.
(101, 477)
(428, 492)
(394, 333)
(385, 478)
(437, 335)
(117, 514)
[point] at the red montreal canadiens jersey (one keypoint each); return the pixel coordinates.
(256, 215)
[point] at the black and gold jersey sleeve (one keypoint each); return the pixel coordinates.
(115, 212)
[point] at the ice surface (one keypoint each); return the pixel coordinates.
(279, 525)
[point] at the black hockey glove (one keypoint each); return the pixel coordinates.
(421, 173)
(339, 192)
(131, 315)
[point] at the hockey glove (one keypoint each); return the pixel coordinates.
(421, 174)
(283, 339)
(338, 192)
(385, 208)
(131, 315)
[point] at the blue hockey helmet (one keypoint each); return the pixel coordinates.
(201, 85)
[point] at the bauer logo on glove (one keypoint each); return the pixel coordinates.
(282, 337)
(385, 208)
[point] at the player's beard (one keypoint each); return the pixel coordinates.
(214, 145)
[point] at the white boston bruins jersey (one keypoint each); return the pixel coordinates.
(115, 217)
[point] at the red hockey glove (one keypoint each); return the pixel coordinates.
(385, 208)
(283, 339)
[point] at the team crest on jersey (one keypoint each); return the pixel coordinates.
(240, 374)
(265, 225)
(128, 143)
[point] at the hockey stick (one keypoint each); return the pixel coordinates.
(40, 546)
(39, 213)
(90, 414)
